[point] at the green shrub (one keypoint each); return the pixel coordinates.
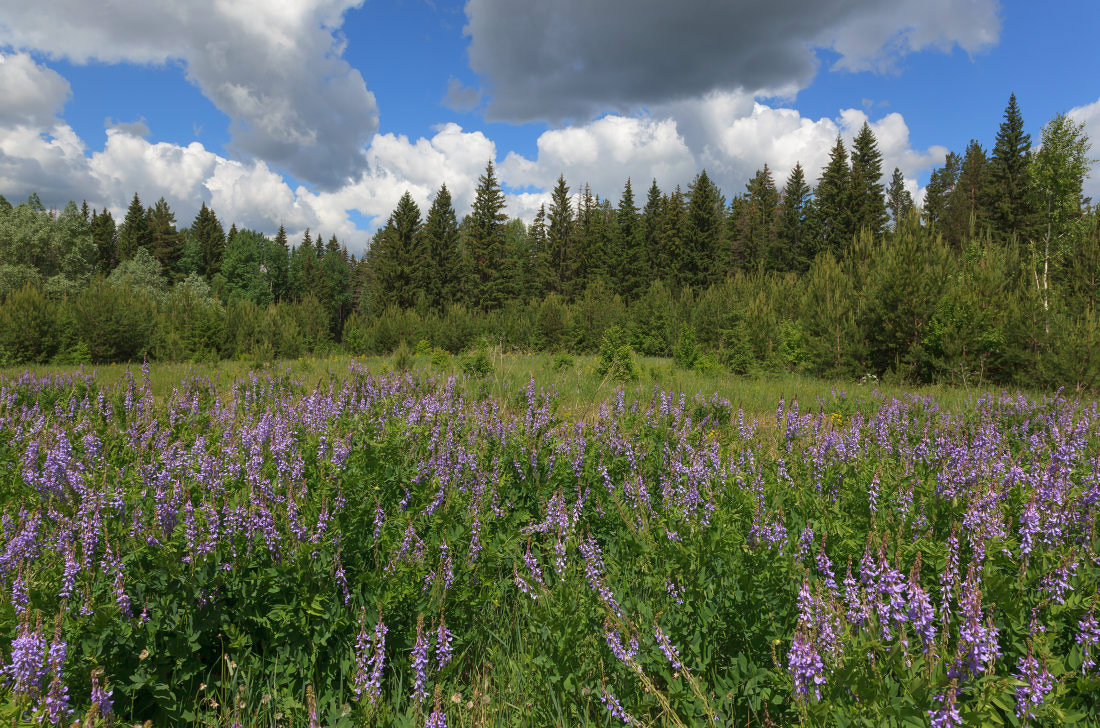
(402, 357)
(440, 359)
(477, 364)
(617, 358)
(686, 351)
(423, 347)
(116, 323)
(28, 326)
(707, 364)
(561, 362)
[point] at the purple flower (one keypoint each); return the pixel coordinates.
(443, 650)
(667, 648)
(947, 715)
(370, 653)
(420, 662)
(101, 696)
(1088, 638)
(1037, 683)
(805, 665)
(616, 708)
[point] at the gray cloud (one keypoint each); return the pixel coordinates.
(573, 59)
(460, 97)
(274, 68)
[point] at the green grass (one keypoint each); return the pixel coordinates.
(579, 388)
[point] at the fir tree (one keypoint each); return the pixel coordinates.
(166, 243)
(396, 261)
(899, 201)
(1010, 206)
(704, 233)
(793, 250)
(832, 210)
(756, 222)
(937, 195)
(868, 209)
(444, 260)
(673, 240)
(967, 203)
(560, 235)
(629, 246)
(106, 242)
(210, 237)
(541, 278)
(652, 214)
(134, 231)
(486, 243)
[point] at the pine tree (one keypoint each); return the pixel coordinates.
(134, 231)
(832, 206)
(486, 242)
(899, 200)
(937, 195)
(967, 202)
(1010, 205)
(561, 232)
(166, 244)
(704, 233)
(868, 209)
(444, 260)
(210, 237)
(793, 244)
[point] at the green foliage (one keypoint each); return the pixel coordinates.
(115, 322)
(686, 351)
(28, 326)
(476, 363)
(402, 357)
(617, 358)
(562, 362)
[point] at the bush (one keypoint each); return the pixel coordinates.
(440, 359)
(561, 362)
(402, 358)
(115, 323)
(686, 351)
(477, 364)
(28, 326)
(617, 358)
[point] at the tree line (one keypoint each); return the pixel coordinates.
(992, 278)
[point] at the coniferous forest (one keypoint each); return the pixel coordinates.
(993, 279)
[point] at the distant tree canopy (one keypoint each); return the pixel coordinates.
(992, 277)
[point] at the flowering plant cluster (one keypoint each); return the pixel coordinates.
(403, 549)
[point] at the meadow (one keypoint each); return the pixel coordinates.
(430, 541)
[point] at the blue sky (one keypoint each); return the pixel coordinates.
(320, 113)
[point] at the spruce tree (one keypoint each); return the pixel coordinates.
(134, 231)
(652, 214)
(486, 243)
(705, 232)
(630, 249)
(210, 237)
(106, 242)
(832, 206)
(444, 261)
(899, 200)
(166, 243)
(561, 233)
(396, 260)
(672, 239)
(868, 208)
(1010, 205)
(793, 244)
(539, 257)
(756, 221)
(937, 195)
(967, 202)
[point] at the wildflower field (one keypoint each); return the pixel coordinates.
(413, 549)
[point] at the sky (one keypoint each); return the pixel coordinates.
(321, 113)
